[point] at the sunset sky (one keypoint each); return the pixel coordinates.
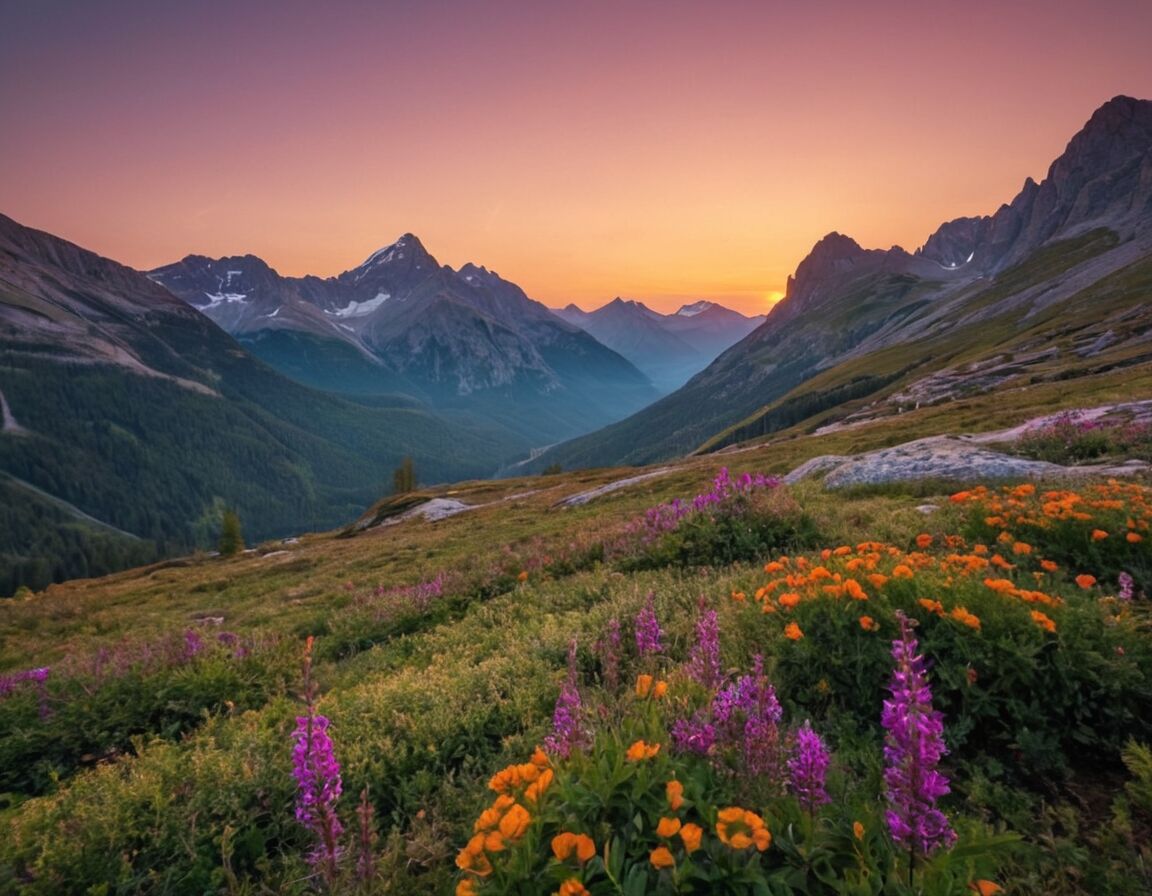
(663, 151)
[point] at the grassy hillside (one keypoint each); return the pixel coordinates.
(155, 753)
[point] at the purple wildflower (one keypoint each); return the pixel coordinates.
(193, 644)
(568, 732)
(648, 633)
(608, 648)
(808, 768)
(695, 735)
(317, 776)
(1127, 585)
(912, 748)
(704, 659)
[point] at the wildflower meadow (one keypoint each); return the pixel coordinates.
(726, 694)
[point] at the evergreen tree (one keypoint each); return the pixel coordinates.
(231, 538)
(404, 477)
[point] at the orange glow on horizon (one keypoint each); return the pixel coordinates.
(665, 153)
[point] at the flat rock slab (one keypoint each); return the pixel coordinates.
(431, 510)
(584, 497)
(942, 457)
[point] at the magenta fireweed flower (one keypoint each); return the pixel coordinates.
(648, 633)
(912, 749)
(1127, 585)
(193, 643)
(317, 776)
(704, 659)
(568, 732)
(695, 735)
(608, 649)
(808, 768)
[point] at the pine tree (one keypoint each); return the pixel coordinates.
(231, 539)
(404, 477)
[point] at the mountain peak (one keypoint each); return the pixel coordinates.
(695, 308)
(407, 243)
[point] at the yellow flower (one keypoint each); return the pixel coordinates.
(661, 858)
(667, 827)
(691, 834)
(640, 751)
(793, 632)
(858, 830)
(675, 792)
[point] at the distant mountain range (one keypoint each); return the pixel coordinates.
(1054, 286)
(668, 348)
(128, 420)
(464, 341)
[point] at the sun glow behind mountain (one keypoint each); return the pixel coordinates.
(666, 152)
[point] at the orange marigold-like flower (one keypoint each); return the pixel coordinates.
(540, 758)
(869, 624)
(961, 614)
(857, 830)
(643, 685)
(566, 844)
(466, 887)
(793, 632)
(572, 887)
(853, 589)
(640, 751)
(1099, 534)
(515, 822)
(788, 600)
(691, 835)
(1043, 621)
(472, 859)
(1085, 581)
(932, 606)
(739, 829)
(902, 571)
(985, 887)
(878, 579)
(1021, 548)
(667, 827)
(1049, 566)
(661, 857)
(1134, 537)
(923, 540)
(523, 577)
(659, 690)
(675, 793)
(534, 790)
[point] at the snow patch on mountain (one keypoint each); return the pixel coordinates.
(361, 309)
(694, 309)
(220, 298)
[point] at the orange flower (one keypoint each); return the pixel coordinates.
(523, 577)
(774, 566)
(643, 685)
(1021, 548)
(660, 857)
(792, 632)
(1134, 538)
(858, 830)
(667, 827)
(533, 791)
(740, 829)
(901, 571)
(878, 580)
(869, 624)
(572, 887)
(466, 887)
(788, 600)
(932, 606)
(853, 590)
(640, 751)
(1043, 621)
(515, 822)
(472, 859)
(691, 834)
(1049, 566)
(659, 690)
(565, 844)
(923, 540)
(961, 614)
(675, 792)
(1085, 581)
(739, 596)
(1099, 534)
(985, 887)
